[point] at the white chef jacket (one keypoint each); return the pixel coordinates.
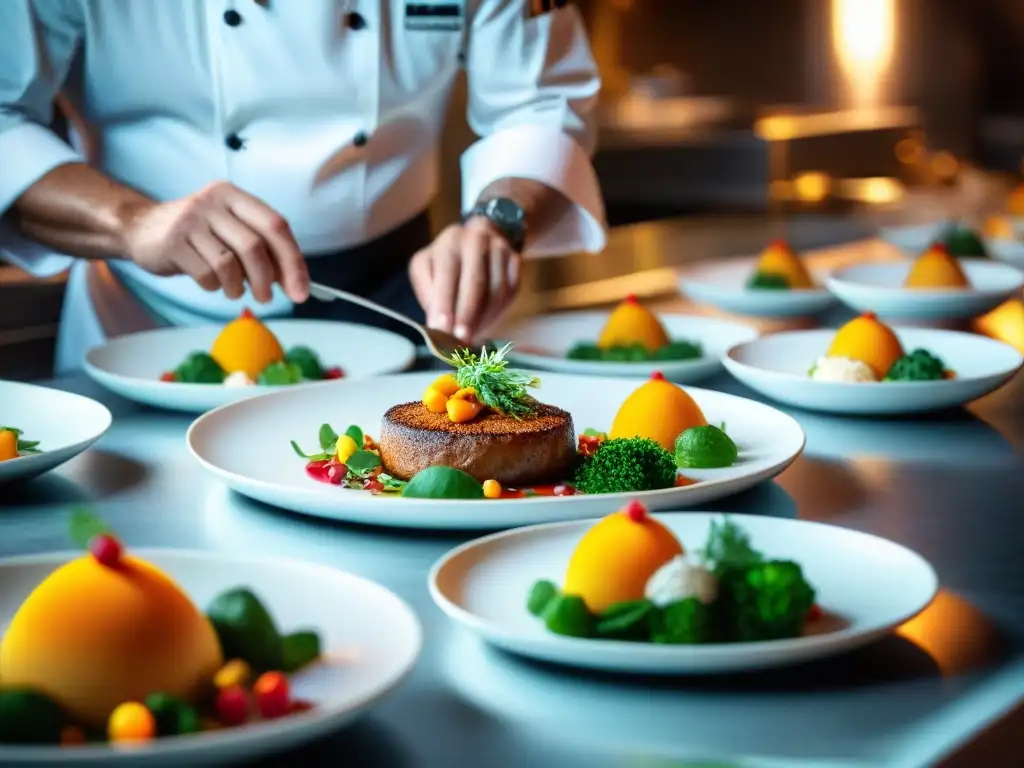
(329, 110)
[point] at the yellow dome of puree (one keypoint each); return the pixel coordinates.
(779, 259)
(657, 409)
(617, 556)
(1005, 323)
(936, 268)
(93, 636)
(867, 339)
(999, 227)
(632, 323)
(246, 344)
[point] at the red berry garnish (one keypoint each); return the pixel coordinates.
(232, 706)
(247, 313)
(301, 705)
(815, 613)
(334, 373)
(564, 490)
(657, 376)
(780, 243)
(336, 473)
(106, 549)
(169, 376)
(636, 511)
(940, 247)
(273, 694)
(372, 485)
(631, 298)
(869, 316)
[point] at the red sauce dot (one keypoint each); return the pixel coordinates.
(247, 312)
(780, 243)
(106, 549)
(657, 376)
(636, 511)
(940, 247)
(631, 298)
(869, 316)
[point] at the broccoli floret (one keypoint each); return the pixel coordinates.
(762, 601)
(728, 546)
(687, 622)
(919, 365)
(307, 361)
(626, 465)
(769, 280)
(279, 374)
(199, 368)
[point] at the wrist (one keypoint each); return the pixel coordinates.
(126, 215)
(502, 215)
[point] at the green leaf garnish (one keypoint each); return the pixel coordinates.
(22, 446)
(362, 462)
(85, 526)
(328, 438)
(496, 387)
(356, 434)
(310, 456)
(299, 649)
(391, 484)
(728, 545)
(441, 482)
(591, 432)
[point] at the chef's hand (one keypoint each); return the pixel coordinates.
(466, 278)
(223, 238)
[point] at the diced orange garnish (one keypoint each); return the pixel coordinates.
(461, 411)
(8, 445)
(434, 399)
(446, 384)
(466, 393)
(492, 489)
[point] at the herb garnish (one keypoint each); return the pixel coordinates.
(23, 446)
(496, 387)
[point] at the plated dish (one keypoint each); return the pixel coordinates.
(45, 427)
(935, 286)
(488, 446)
(632, 340)
(691, 593)
(775, 284)
(1004, 323)
(167, 368)
(1000, 237)
(868, 367)
(110, 649)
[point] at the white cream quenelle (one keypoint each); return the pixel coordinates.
(679, 579)
(331, 113)
(842, 369)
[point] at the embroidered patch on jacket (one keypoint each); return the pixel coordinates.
(445, 15)
(540, 7)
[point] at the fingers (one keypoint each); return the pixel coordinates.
(249, 248)
(421, 275)
(280, 242)
(191, 261)
(218, 266)
(504, 270)
(474, 282)
(446, 267)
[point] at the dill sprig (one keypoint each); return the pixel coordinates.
(496, 387)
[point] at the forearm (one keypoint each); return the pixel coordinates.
(79, 211)
(541, 203)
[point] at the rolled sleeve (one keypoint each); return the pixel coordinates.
(28, 152)
(533, 87)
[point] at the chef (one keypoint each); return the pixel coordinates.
(245, 147)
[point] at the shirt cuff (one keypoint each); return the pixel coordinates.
(29, 152)
(36, 259)
(552, 157)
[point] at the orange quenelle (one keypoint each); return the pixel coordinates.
(658, 409)
(936, 268)
(867, 339)
(92, 636)
(632, 323)
(617, 556)
(1005, 323)
(8, 445)
(779, 259)
(247, 345)
(1015, 204)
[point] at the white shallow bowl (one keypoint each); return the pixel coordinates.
(1010, 251)
(65, 424)
(370, 637)
(723, 285)
(245, 444)
(776, 366)
(879, 288)
(914, 238)
(866, 585)
(131, 366)
(552, 336)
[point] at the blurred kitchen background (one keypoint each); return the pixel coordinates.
(726, 123)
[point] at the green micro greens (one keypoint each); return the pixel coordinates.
(496, 387)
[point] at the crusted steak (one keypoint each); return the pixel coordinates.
(534, 451)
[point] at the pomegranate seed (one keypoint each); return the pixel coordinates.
(106, 549)
(336, 473)
(869, 316)
(636, 511)
(334, 373)
(631, 298)
(169, 376)
(301, 705)
(657, 376)
(272, 694)
(247, 313)
(232, 706)
(372, 485)
(564, 490)
(815, 613)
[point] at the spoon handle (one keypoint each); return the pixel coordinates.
(326, 293)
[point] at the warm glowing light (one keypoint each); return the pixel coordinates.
(875, 190)
(909, 151)
(863, 35)
(944, 165)
(812, 187)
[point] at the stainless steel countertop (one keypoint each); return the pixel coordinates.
(950, 487)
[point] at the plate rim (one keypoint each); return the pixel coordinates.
(478, 625)
(262, 733)
(837, 278)
(222, 473)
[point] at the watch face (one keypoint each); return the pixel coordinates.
(505, 210)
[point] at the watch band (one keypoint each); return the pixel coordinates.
(506, 215)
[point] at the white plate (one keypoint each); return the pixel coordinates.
(879, 288)
(865, 584)
(374, 636)
(1010, 251)
(131, 366)
(65, 424)
(555, 335)
(913, 240)
(723, 286)
(777, 365)
(246, 445)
